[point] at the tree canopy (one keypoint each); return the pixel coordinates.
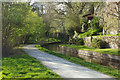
(19, 22)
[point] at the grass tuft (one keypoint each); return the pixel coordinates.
(25, 66)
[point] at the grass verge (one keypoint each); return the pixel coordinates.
(107, 70)
(104, 51)
(0, 68)
(25, 66)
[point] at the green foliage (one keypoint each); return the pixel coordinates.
(34, 27)
(72, 21)
(34, 24)
(71, 41)
(89, 32)
(84, 25)
(49, 40)
(12, 31)
(118, 34)
(98, 43)
(42, 40)
(18, 23)
(107, 70)
(79, 41)
(25, 66)
(95, 23)
(70, 18)
(32, 39)
(100, 29)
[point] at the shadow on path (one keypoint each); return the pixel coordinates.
(63, 67)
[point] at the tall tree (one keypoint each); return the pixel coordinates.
(19, 22)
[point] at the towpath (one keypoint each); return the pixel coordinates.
(63, 67)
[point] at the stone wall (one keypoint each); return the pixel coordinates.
(95, 57)
(104, 59)
(112, 41)
(87, 41)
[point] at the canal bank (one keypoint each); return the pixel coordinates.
(89, 56)
(104, 69)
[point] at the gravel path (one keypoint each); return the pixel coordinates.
(63, 67)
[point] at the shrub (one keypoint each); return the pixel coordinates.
(95, 23)
(79, 41)
(52, 40)
(89, 32)
(118, 34)
(71, 41)
(98, 43)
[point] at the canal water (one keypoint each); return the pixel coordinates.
(56, 48)
(107, 62)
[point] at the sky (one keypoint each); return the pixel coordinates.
(32, 1)
(75, 0)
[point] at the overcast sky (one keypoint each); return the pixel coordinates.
(32, 1)
(75, 0)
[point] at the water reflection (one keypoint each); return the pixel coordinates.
(95, 59)
(55, 47)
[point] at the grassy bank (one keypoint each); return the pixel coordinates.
(25, 66)
(0, 68)
(104, 51)
(107, 70)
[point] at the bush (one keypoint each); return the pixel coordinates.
(52, 40)
(95, 23)
(118, 34)
(89, 32)
(71, 41)
(98, 43)
(79, 41)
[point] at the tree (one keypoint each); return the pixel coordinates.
(66, 17)
(19, 22)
